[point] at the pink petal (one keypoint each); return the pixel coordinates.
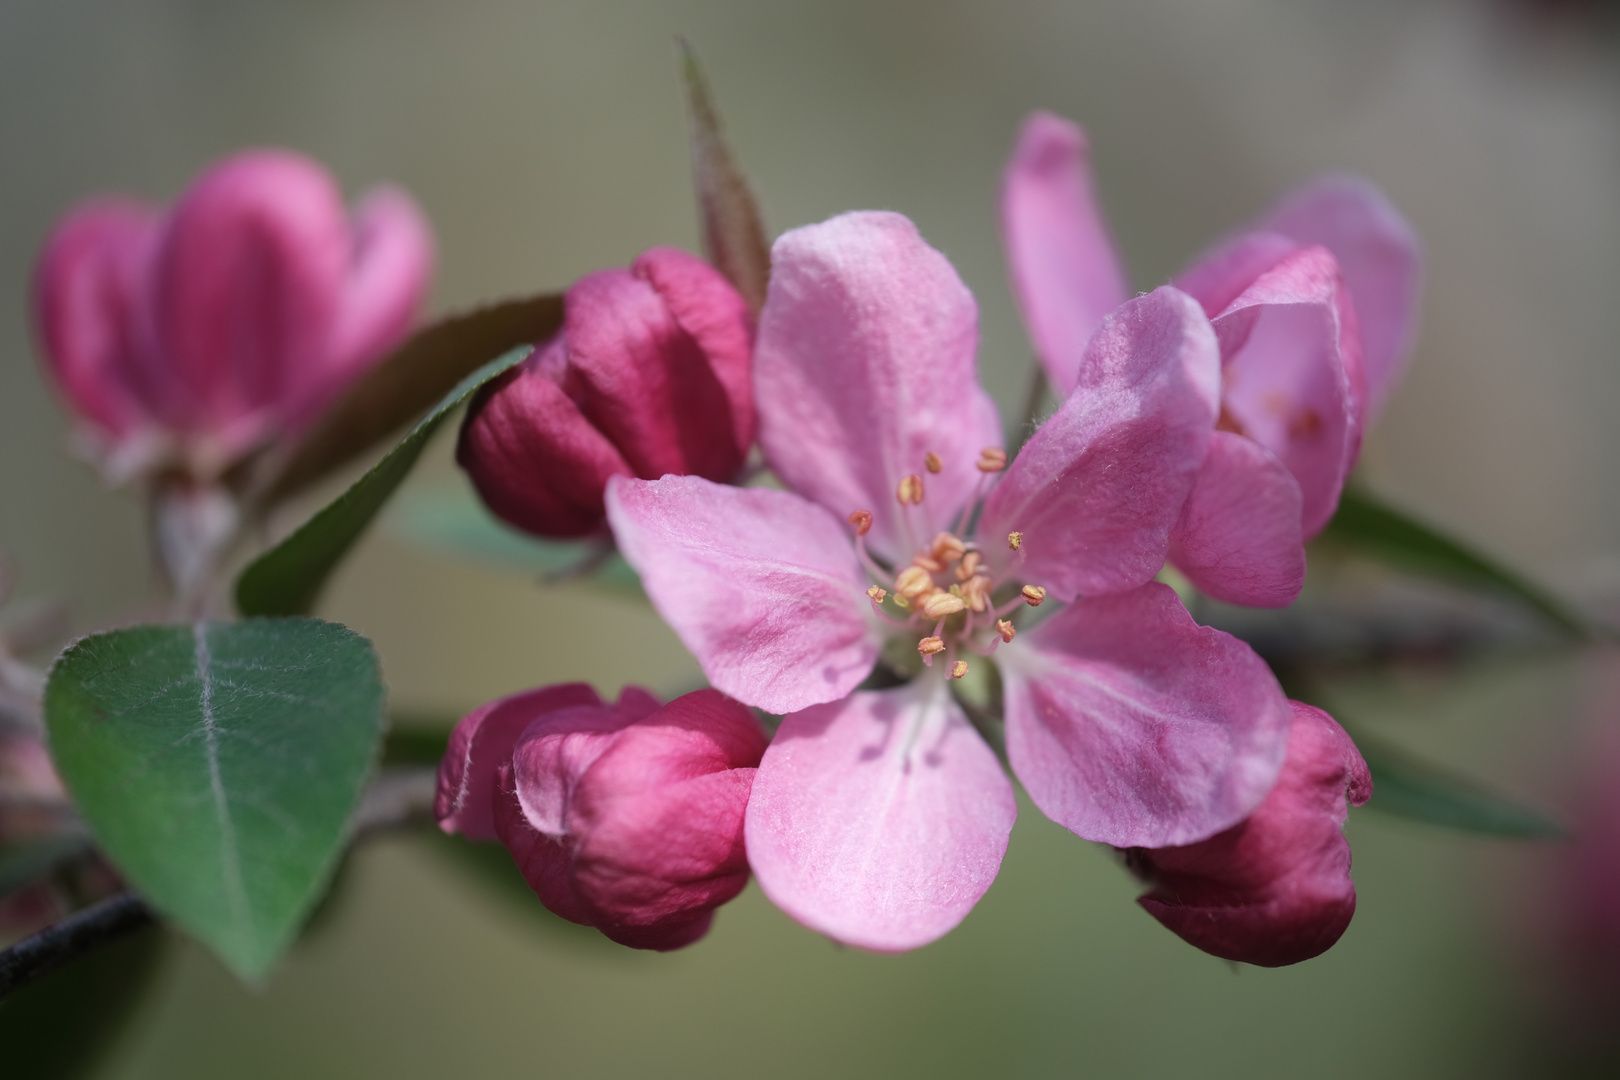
(86, 290)
(881, 819)
(1065, 272)
(1290, 385)
(642, 380)
(1097, 489)
(1219, 276)
(545, 861)
(245, 295)
(1274, 889)
(763, 586)
(717, 318)
(1380, 257)
(481, 743)
(537, 463)
(1132, 725)
(391, 262)
(865, 365)
(1239, 537)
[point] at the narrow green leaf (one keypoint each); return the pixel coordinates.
(287, 579)
(1409, 787)
(402, 386)
(734, 238)
(218, 765)
(1366, 524)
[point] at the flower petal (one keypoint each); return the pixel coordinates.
(1097, 489)
(1291, 375)
(1065, 271)
(881, 819)
(763, 586)
(1132, 725)
(1239, 537)
(864, 366)
(1380, 257)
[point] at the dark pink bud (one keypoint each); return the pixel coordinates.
(189, 338)
(1274, 889)
(649, 376)
(627, 817)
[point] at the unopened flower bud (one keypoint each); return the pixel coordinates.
(1033, 595)
(862, 521)
(649, 376)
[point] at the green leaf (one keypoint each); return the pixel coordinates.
(287, 579)
(734, 237)
(401, 387)
(218, 765)
(1408, 787)
(1366, 524)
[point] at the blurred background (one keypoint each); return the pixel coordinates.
(547, 139)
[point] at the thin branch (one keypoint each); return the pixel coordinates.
(99, 924)
(396, 799)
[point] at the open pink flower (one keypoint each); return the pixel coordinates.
(190, 337)
(1274, 889)
(880, 817)
(649, 375)
(627, 817)
(1314, 306)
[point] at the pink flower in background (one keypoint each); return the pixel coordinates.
(1314, 306)
(650, 375)
(880, 817)
(189, 337)
(1274, 889)
(626, 817)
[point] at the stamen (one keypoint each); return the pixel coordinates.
(968, 566)
(913, 582)
(933, 464)
(1015, 540)
(992, 459)
(1033, 595)
(930, 647)
(876, 594)
(941, 604)
(929, 563)
(910, 490)
(976, 591)
(862, 520)
(1005, 629)
(947, 548)
(959, 669)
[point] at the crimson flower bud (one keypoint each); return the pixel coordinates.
(649, 376)
(1275, 888)
(626, 817)
(184, 339)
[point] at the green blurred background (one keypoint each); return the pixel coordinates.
(548, 139)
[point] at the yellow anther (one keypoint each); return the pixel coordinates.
(910, 490)
(947, 548)
(862, 520)
(913, 582)
(876, 594)
(992, 459)
(928, 563)
(930, 646)
(1033, 595)
(976, 591)
(1015, 540)
(941, 604)
(1005, 629)
(959, 669)
(968, 566)
(932, 463)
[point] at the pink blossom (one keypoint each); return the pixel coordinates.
(626, 817)
(1274, 889)
(648, 376)
(189, 337)
(879, 817)
(1314, 306)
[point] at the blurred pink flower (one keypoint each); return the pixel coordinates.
(880, 817)
(626, 817)
(189, 337)
(649, 376)
(1314, 306)
(1274, 889)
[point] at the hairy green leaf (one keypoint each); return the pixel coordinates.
(287, 579)
(1409, 787)
(218, 765)
(734, 237)
(1366, 524)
